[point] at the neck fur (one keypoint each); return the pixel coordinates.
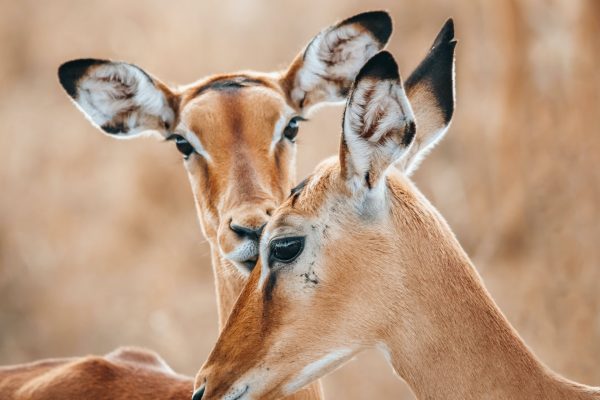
(450, 340)
(228, 283)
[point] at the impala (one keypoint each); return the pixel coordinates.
(357, 258)
(236, 133)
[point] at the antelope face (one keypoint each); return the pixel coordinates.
(237, 135)
(323, 289)
(236, 132)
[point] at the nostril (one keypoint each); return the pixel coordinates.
(269, 211)
(199, 393)
(242, 230)
(245, 232)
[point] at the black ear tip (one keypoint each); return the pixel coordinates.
(446, 35)
(381, 66)
(379, 23)
(70, 72)
(449, 26)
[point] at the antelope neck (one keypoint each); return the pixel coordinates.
(451, 341)
(228, 283)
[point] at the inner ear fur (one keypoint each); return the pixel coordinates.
(378, 125)
(325, 69)
(119, 98)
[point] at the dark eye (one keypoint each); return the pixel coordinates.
(182, 145)
(291, 130)
(286, 250)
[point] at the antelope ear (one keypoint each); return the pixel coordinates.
(325, 70)
(431, 92)
(119, 98)
(378, 126)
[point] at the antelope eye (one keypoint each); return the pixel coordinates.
(291, 130)
(285, 250)
(182, 145)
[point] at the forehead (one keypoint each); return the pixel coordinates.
(233, 104)
(231, 82)
(244, 87)
(312, 194)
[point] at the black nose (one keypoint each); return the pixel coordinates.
(199, 393)
(247, 232)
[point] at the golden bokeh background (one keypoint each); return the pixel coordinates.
(99, 241)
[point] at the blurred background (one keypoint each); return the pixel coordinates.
(99, 241)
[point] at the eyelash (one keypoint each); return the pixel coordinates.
(185, 147)
(182, 144)
(291, 129)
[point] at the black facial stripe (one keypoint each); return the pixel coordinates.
(270, 285)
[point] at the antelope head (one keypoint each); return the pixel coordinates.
(323, 289)
(237, 131)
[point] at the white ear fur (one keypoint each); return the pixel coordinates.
(324, 72)
(119, 98)
(378, 126)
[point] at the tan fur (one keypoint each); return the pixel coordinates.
(243, 182)
(126, 374)
(385, 271)
(239, 177)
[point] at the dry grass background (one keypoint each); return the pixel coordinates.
(99, 242)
